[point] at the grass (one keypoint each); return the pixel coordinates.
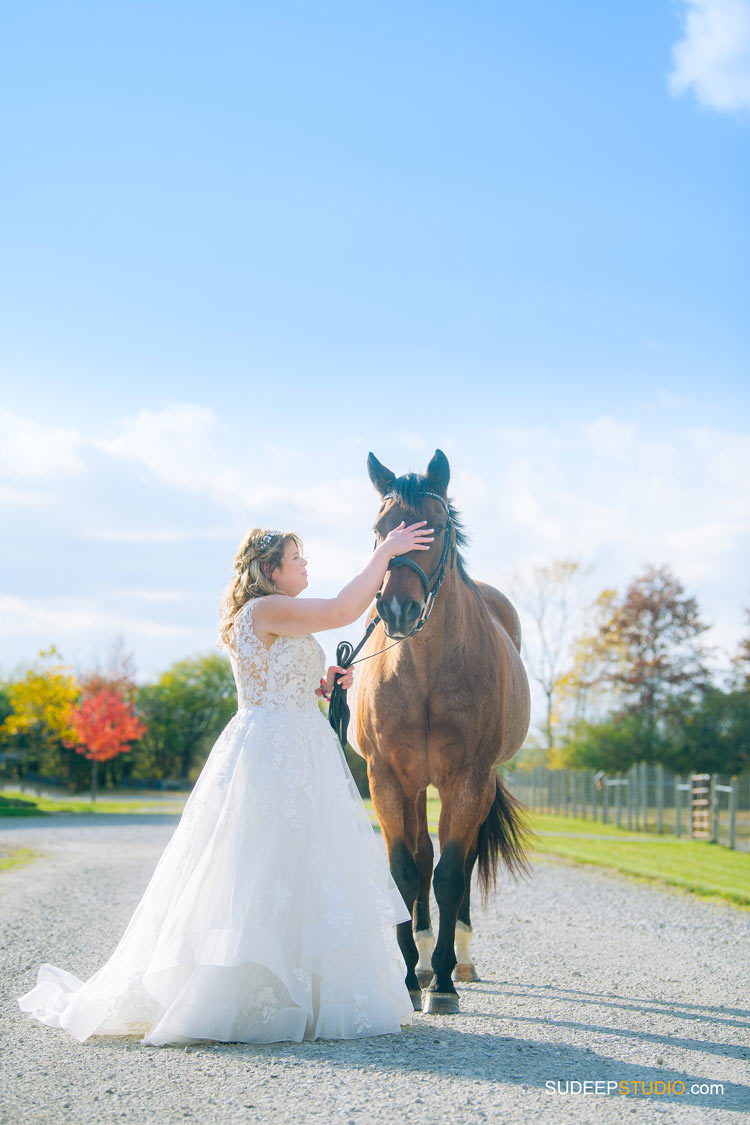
(694, 866)
(12, 805)
(15, 857)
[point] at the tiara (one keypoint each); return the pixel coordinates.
(266, 539)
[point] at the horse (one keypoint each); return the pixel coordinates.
(446, 707)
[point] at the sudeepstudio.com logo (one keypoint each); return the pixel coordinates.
(657, 1087)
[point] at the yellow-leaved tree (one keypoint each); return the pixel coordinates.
(40, 713)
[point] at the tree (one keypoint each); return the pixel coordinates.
(710, 734)
(104, 724)
(39, 719)
(741, 660)
(550, 598)
(653, 635)
(186, 709)
(583, 693)
(645, 656)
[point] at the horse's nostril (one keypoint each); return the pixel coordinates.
(410, 611)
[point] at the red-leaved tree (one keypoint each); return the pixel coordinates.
(104, 725)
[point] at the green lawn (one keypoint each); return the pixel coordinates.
(695, 866)
(13, 805)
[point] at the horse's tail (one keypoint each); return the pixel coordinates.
(504, 836)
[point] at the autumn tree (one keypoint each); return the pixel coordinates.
(654, 635)
(646, 654)
(104, 725)
(39, 716)
(549, 598)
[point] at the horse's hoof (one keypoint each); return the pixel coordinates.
(465, 973)
(416, 998)
(424, 976)
(440, 1003)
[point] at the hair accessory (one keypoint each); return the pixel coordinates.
(266, 539)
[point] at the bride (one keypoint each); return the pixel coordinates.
(270, 914)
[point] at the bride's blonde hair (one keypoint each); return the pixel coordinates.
(258, 555)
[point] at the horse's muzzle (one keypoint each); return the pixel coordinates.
(399, 617)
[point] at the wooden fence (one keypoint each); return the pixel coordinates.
(647, 798)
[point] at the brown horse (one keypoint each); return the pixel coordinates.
(445, 707)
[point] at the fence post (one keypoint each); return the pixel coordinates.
(732, 809)
(630, 799)
(659, 799)
(713, 797)
(592, 790)
(644, 784)
(677, 805)
(605, 802)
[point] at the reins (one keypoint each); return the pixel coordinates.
(338, 708)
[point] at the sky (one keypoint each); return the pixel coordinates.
(243, 244)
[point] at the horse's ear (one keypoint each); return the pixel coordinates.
(381, 477)
(439, 473)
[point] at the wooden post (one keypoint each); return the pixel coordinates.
(644, 786)
(630, 799)
(659, 799)
(713, 797)
(677, 805)
(732, 810)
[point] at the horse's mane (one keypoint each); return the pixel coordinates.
(409, 491)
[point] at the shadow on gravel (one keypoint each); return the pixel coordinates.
(628, 1003)
(437, 1049)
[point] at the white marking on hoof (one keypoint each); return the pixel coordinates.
(425, 944)
(462, 943)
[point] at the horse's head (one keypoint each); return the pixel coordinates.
(412, 580)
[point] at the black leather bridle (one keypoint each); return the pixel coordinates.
(338, 710)
(432, 584)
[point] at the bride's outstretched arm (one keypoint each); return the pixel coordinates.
(290, 617)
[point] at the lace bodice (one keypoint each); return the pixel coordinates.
(284, 675)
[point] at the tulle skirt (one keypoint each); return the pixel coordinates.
(270, 914)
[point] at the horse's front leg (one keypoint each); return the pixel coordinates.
(422, 925)
(463, 808)
(397, 818)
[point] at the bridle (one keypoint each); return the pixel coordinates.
(338, 710)
(432, 584)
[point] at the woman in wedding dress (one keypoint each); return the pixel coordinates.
(270, 914)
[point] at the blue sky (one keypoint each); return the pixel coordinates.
(243, 244)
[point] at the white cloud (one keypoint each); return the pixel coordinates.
(179, 446)
(713, 57)
(33, 451)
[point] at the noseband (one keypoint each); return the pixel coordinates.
(432, 584)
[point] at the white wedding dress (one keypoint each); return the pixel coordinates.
(270, 914)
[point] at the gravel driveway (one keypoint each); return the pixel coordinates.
(586, 978)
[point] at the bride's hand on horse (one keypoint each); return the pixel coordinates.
(415, 537)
